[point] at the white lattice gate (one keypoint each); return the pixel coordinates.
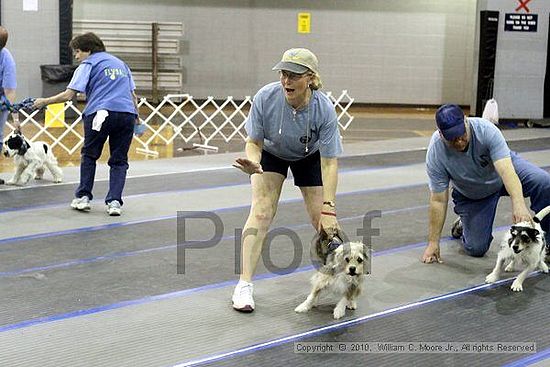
(177, 116)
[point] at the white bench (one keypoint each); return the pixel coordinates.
(121, 28)
(166, 81)
(132, 42)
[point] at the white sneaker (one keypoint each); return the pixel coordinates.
(242, 297)
(114, 209)
(81, 204)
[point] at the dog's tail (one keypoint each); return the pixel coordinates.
(540, 215)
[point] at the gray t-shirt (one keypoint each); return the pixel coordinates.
(294, 134)
(472, 172)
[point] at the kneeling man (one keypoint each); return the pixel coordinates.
(473, 155)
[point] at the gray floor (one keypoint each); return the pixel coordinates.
(85, 289)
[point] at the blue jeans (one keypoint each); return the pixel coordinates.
(477, 216)
(119, 128)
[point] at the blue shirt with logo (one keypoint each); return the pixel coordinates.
(472, 172)
(107, 82)
(294, 134)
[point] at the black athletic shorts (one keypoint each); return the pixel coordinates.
(306, 171)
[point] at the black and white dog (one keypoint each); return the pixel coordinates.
(342, 271)
(523, 244)
(31, 159)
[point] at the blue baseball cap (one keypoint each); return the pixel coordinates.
(450, 121)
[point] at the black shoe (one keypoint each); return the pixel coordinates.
(456, 229)
(2, 182)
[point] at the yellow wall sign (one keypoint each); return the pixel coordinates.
(304, 22)
(55, 115)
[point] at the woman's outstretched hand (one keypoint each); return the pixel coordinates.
(248, 166)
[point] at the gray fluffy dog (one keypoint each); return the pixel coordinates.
(342, 268)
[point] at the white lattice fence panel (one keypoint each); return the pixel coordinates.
(342, 105)
(70, 139)
(177, 116)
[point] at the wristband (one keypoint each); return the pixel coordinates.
(328, 213)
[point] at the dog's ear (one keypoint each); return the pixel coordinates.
(532, 233)
(14, 142)
(321, 242)
(314, 245)
(323, 235)
(318, 249)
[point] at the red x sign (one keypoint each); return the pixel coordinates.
(523, 5)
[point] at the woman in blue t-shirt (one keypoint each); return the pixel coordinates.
(291, 125)
(8, 84)
(111, 112)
